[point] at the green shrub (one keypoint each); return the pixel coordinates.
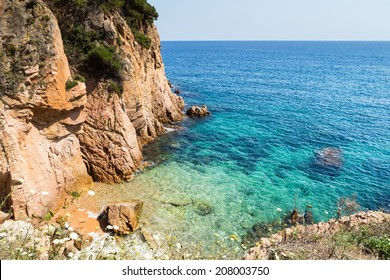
(379, 245)
(75, 194)
(70, 84)
(102, 57)
(79, 78)
(142, 39)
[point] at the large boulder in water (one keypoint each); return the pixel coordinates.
(196, 111)
(329, 157)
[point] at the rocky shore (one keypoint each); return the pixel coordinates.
(350, 237)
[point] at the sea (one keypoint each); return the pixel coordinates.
(276, 107)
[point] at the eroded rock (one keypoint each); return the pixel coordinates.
(124, 217)
(196, 111)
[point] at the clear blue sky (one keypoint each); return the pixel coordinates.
(273, 19)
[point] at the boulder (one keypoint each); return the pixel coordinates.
(196, 111)
(124, 217)
(329, 157)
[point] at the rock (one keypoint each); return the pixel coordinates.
(196, 111)
(4, 216)
(38, 151)
(177, 91)
(124, 217)
(329, 157)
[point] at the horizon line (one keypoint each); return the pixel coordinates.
(269, 40)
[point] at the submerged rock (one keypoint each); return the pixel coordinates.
(124, 217)
(329, 157)
(196, 111)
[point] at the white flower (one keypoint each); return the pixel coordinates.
(279, 209)
(70, 229)
(115, 227)
(110, 227)
(23, 254)
(3, 234)
(70, 255)
(178, 246)
(61, 241)
(73, 236)
(56, 241)
(67, 225)
(32, 191)
(91, 193)
(66, 239)
(44, 193)
(31, 254)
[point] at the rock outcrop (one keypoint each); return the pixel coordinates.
(40, 155)
(196, 111)
(124, 217)
(55, 130)
(122, 120)
(301, 235)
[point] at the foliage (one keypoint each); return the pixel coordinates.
(379, 245)
(79, 78)
(102, 57)
(144, 11)
(75, 194)
(70, 84)
(142, 39)
(115, 87)
(78, 42)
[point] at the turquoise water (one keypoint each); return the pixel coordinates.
(274, 104)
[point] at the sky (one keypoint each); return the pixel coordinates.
(273, 19)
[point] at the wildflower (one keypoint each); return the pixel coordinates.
(279, 209)
(56, 241)
(23, 253)
(67, 225)
(70, 255)
(70, 229)
(44, 193)
(61, 241)
(110, 227)
(73, 236)
(66, 239)
(115, 227)
(31, 254)
(3, 234)
(31, 191)
(91, 193)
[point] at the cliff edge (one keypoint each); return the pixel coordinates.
(82, 89)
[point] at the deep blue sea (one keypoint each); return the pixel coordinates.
(274, 105)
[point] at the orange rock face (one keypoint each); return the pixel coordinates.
(40, 155)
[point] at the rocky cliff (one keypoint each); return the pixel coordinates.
(62, 122)
(39, 152)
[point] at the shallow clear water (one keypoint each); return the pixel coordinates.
(274, 105)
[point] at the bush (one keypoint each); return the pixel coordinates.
(79, 78)
(142, 39)
(70, 84)
(379, 245)
(102, 57)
